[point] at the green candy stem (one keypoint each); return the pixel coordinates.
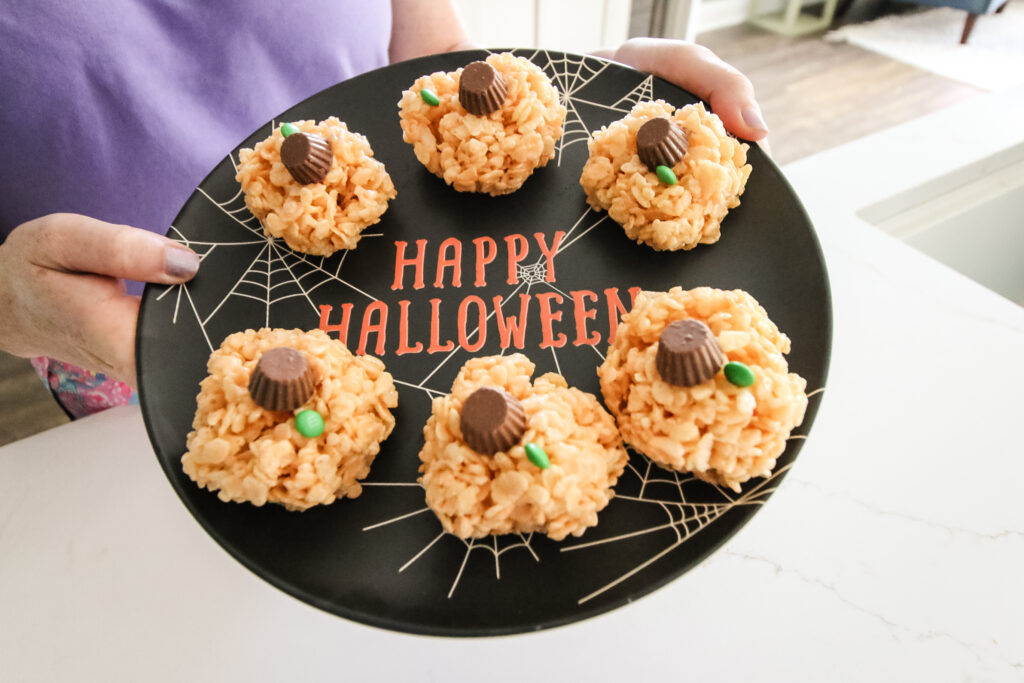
(309, 423)
(429, 97)
(288, 129)
(739, 374)
(666, 175)
(537, 456)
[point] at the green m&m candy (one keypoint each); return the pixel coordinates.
(537, 456)
(666, 175)
(288, 129)
(309, 423)
(429, 97)
(739, 374)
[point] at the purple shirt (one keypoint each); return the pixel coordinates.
(117, 109)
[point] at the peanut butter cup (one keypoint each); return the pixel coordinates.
(492, 420)
(282, 380)
(307, 156)
(481, 89)
(688, 353)
(660, 142)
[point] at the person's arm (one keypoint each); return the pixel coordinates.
(424, 27)
(60, 296)
(697, 69)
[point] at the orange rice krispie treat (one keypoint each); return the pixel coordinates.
(504, 455)
(698, 382)
(316, 185)
(667, 176)
(288, 417)
(486, 127)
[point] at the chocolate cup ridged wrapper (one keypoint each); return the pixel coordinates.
(481, 89)
(492, 420)
(281, 380)
(660, 142)
(688, 353)
(307, 156)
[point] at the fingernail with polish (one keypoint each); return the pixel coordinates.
(180, 263)
(752, 117)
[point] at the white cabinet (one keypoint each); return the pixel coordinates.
(570, 25)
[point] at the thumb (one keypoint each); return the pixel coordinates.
(699, 70)
(79, 244)
(739, 111)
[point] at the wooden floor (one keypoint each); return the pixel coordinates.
(26, 406)
(815, 95)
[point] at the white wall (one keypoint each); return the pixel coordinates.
(684, 19)
(714, 14)
(569, 25)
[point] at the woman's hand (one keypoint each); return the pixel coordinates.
(60, 295)
(697, 69)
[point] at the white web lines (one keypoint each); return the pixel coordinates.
(496, 545)
(642, 92)
(571, 73)
(274, 275)
(685, 519)
(684, 516)
(576, 130)
(533, 274)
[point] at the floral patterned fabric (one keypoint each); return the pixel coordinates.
(82, 392)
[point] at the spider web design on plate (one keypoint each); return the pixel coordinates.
(276, 274)
(667, 491)
(682, 498)
(495, 545)
(570, 74)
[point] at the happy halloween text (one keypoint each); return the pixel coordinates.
(478, 319)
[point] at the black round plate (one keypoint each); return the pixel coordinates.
(382, 558)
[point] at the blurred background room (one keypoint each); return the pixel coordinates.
(908, 115)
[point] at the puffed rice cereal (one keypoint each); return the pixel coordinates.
(247, 453)
(316, 218)
(494, 153)
(721, 433)
(711, 178)
(474, 494)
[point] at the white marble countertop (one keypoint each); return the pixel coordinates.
(893, 551)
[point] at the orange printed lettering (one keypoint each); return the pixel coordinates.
(342, 327)
(582, 314)
(380, 327)
(515, 255)
(481, 324)
(548, 339)
(435, 315)
(401, 262)
(403, 331)
(486, 251)
(549, 254)
(616, 309)
(454, 262)
(512, 327)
